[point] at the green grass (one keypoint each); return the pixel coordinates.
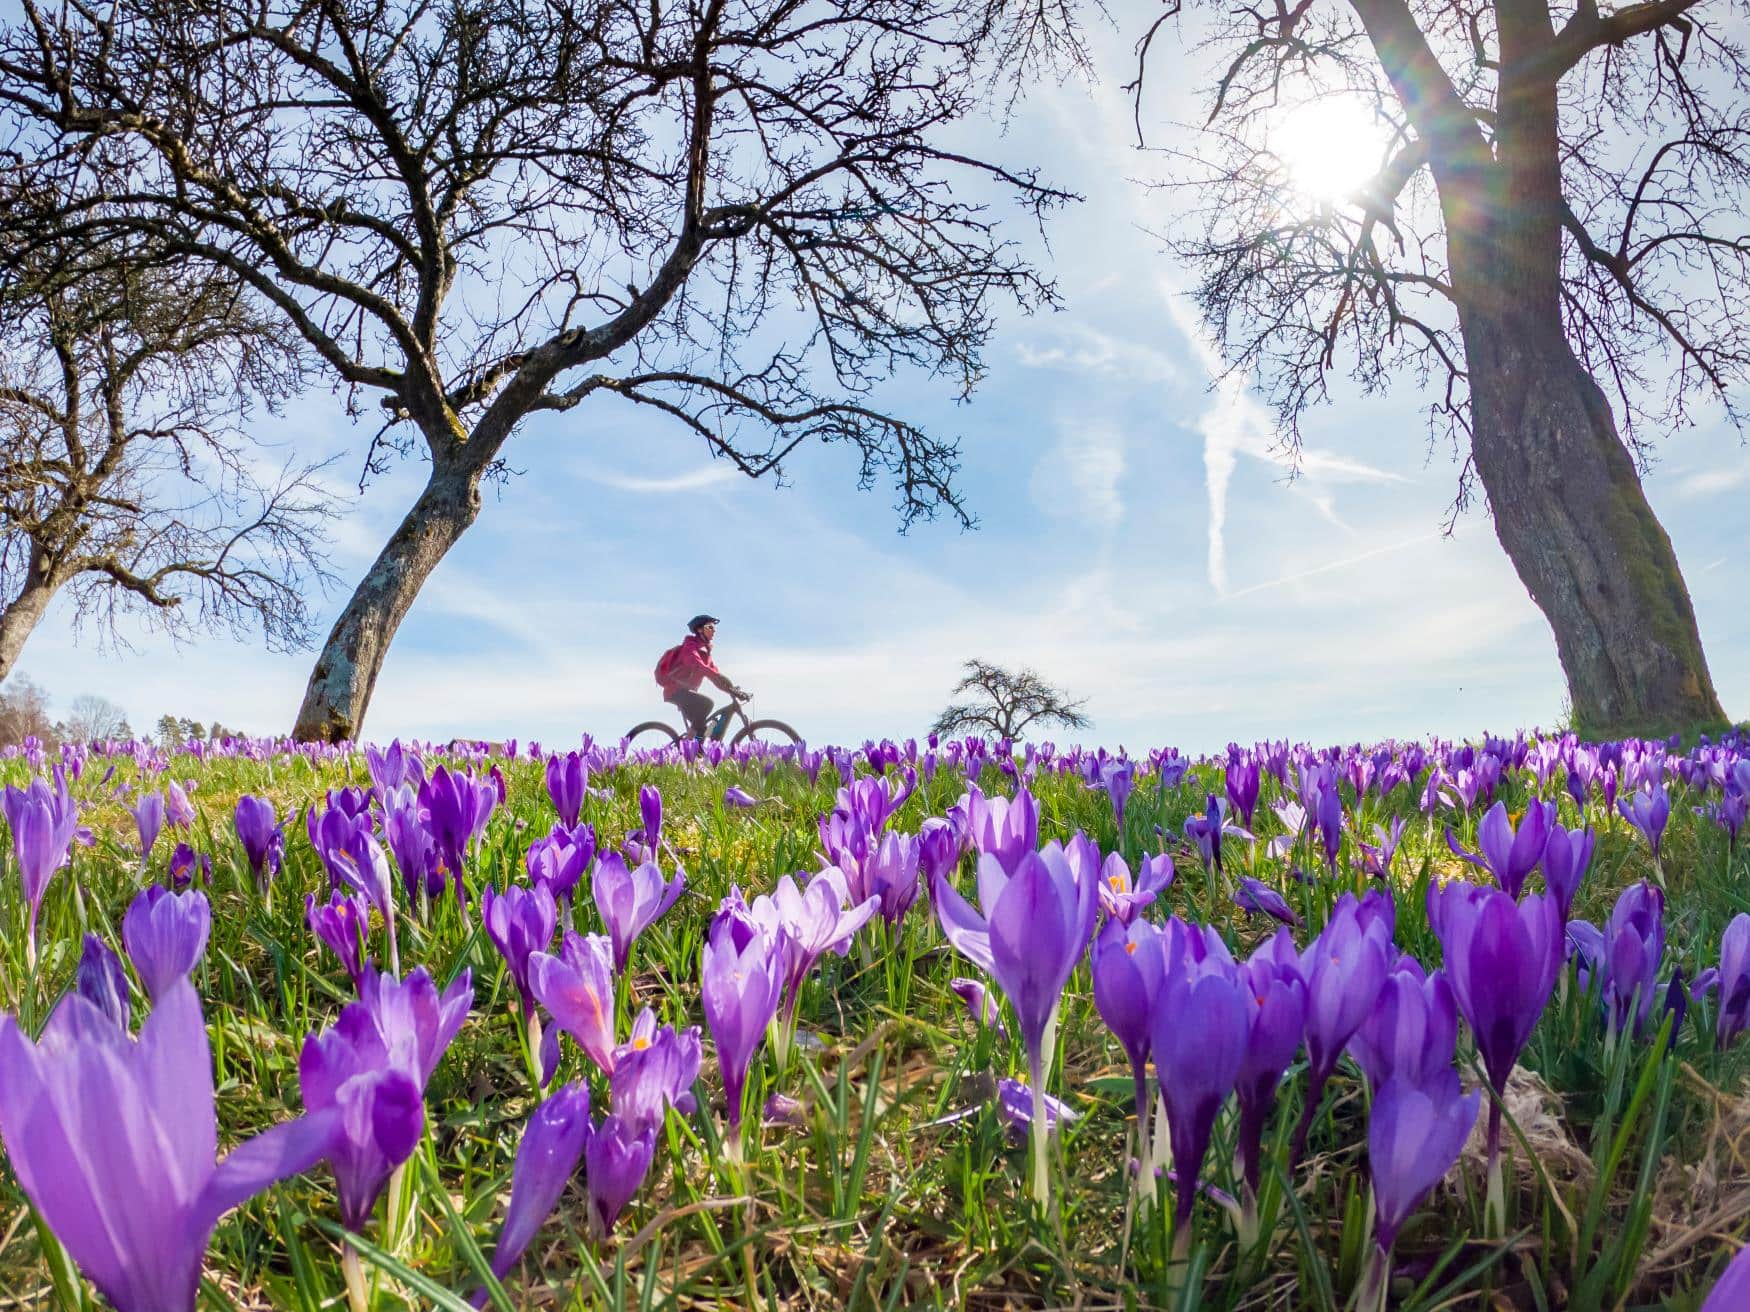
(1622, 1193)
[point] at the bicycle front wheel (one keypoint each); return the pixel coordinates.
(767, 733)
(651, 734)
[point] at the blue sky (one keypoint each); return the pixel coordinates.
(1139, 544)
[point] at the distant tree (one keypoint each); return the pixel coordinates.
(1005, 704)
(24, 711)
(124, 483)
(91, 718)
(1553, 242)
(742, 217)
(168, 731)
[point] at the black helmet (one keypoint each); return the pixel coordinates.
(700, 621)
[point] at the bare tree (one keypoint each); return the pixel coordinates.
(1005, 704)
(91, 718)
(24, 711)
(738, 216)
(123, 481)
(1554, 239)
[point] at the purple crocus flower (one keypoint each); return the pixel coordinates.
(736, 796)
(1502, 959)
(1015, 1104)
(653, 1071)
(1729, 813)
(1039, 922)
(113, 1142)
(102, 980)
(1240, 781)
(1510, 854)
(457, 807)
(1732, 977)
(1003, 828)
(890, 874)
(148, 815)
(1121, 898)
(184, 862)
(392, 767)
(1327, 814)
(1129, 966)
(341, 925)
(1634, 945)
(165, 934)
(1258, 898)
(411, 844)
(1275, 998)
(650, 811)
(414, 1018)
(1343, 969)
(1412, 1029)
(559, 860)
(741, 981)
(1376, 858)
(1198, 1043)
(805, 924)
(577, 989)
(264, 841)
(1205, 831)
(1565, 862)
(1648, 810)
(519, 921)
(1118, 779)
(630, 901)
(178, 810)
(938, 849)
(44, 823)
(371, 1068)
(979, 1004)
(1035, 928)
(567, 780)
(546, 1157)
(344, 1072)
(615, 1162)
(1414, 1135)
(1731, 1292)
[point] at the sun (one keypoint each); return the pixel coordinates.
(1329, 148)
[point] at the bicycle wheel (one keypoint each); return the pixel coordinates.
(771, 733)
(652, 733)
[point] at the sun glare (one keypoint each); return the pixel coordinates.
(1329, 147)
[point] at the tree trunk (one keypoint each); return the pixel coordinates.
(346, 670)
(19, 618)
(1569, 510)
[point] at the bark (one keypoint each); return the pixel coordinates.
(346, 670)
(1570, 512)
(20, 617)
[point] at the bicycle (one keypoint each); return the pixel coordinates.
(773, 733)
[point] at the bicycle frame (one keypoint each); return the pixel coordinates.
(717, 727)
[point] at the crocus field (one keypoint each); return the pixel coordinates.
(1418, 1025)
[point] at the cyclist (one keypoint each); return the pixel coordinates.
(685, 666)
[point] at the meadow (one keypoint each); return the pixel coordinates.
(1410, 1025)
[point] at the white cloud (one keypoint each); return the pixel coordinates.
(715, 474)
(1712, 482)
(1080, 476)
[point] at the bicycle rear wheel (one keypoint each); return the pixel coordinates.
(770, 733)
(652, 733)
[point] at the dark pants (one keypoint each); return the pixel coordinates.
(694, 706)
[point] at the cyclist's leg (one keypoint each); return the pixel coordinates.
(695, 707)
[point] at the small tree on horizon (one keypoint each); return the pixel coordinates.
(1005, 703)
(94, 718)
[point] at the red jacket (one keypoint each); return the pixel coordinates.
(690, 666)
